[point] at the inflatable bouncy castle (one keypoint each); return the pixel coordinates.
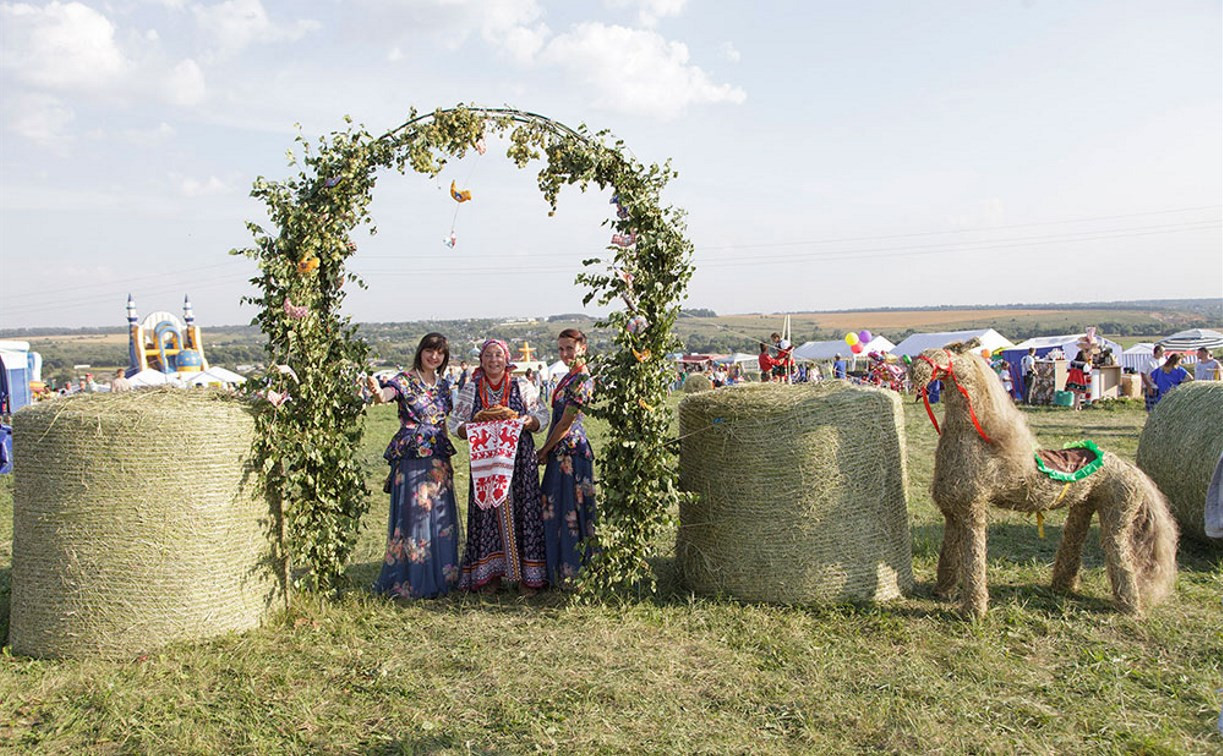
(164, 343)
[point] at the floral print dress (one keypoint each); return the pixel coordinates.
(568, 487)
(422, 551)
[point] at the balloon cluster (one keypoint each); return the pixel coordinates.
(858, 341)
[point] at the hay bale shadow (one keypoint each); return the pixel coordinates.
(6, 590)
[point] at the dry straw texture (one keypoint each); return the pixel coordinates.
(800, 494)
(1179, 449)
(697, 382)
(136, 522)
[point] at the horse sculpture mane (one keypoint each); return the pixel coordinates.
(985, 457)
(997, 413)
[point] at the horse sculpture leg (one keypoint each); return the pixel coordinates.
(1114, 538)
(1070, 550)
(949, 565)
(974, 591)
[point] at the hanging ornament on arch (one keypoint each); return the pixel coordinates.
(459, 196)
(624, 240)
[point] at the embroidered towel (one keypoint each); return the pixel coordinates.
(493, 446)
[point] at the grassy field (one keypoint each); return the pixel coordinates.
(1042, 673)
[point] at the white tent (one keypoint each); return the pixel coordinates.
(826, 350)
(216, 374)
(1192, 340)
(738, 358)
(152, 377)
(920, 342)
(1068, 343)
(557, 370)
(1136, 356)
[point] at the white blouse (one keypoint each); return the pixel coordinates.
(464, 406)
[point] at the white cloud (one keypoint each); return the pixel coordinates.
(395, 55)
(729, 52)
(650, 11)
(191, 187)
(635, 71)
(41, 118)
(185, 85)
(59, 45)
(235, 24)
(513, 26)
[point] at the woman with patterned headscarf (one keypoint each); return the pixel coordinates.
(506, 541)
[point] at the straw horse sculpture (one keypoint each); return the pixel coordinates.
(985, 457)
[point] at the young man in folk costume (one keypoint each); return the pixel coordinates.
(568, 487)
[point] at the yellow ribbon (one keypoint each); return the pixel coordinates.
(1040, 516)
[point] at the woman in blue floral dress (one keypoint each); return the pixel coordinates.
(422, 551)
(505, 542)
(568, 487)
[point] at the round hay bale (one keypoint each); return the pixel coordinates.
(1180, 447)
(800, 493)
(696, 383)
(136, 522)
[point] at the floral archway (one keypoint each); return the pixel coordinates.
(306, 447)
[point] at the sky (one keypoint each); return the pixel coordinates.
(831, 155)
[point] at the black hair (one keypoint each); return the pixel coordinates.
(572, 333)
(432, 341)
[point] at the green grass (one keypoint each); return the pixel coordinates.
(1042, 673)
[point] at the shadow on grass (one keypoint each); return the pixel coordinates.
(1010, 545)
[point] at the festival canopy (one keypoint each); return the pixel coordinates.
(216, 374)
(738, 358)
(1192, 340)
(920, 342)
(153, 377)
(827, 350)
(1136, 356)
(1068, 343)
(558, 369)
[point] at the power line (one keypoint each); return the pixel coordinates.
(907, 251)
(970, 230)
(811, 242)
(123, 282)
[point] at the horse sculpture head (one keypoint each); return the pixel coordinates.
(935, 364)
(971, 390)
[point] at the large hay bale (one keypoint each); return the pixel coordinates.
(1179, 449)
(136, 522)
(696, 383)
(801, 493)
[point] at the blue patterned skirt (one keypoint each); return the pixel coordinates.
(568, 513)
(422, 550)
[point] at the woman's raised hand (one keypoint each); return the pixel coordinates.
(371, 385)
